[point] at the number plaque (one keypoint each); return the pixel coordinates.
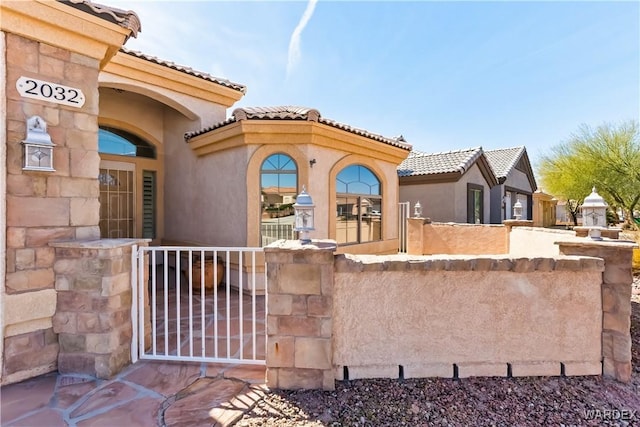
(52, 92)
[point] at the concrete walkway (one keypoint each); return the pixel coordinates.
(147, 393)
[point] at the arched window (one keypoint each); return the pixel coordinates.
(123, 143)
(359, 206)
(278, 190)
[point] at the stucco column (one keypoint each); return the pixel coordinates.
(93, 312)
(299, 315)
(616, 301)
(415, 235)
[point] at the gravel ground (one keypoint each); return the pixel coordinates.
(558, 401)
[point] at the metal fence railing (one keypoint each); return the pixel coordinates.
(202, 304)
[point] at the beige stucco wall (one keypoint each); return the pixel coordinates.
(446, 202)
(528, 316)
(439, 238)
(537, 241)
(3, 193)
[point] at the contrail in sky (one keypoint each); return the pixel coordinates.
(294, 43)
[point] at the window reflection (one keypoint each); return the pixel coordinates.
(359, 206)
(278, 191)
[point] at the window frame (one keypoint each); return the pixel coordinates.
(473, 189)
(358, 199)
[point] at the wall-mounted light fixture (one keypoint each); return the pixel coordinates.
(312, 162)
(38, 148)
(304, 211)
(594, 214)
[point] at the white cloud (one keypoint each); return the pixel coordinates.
(294, 42)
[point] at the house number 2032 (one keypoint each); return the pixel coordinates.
(46, 91)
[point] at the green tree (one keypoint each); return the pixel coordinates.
(607, 157)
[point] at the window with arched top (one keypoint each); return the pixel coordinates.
(359, 205)
(126, 192)
(278, 190)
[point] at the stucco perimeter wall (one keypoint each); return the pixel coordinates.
(466, 316)
(472, 239)
(537, 241)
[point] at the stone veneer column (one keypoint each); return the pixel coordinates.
(299, 315)
(93, 313)
(616, 301)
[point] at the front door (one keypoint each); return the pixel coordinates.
(117, 199)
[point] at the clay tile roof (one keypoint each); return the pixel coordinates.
(418, 163)
(185, 69)
(124, 18)
(503, 160)
(297, 113)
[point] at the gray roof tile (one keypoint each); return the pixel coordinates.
(503, 160)
(419, 163)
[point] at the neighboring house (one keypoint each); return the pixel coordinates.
(452, 186)
(516, 182)
(150, 153)
(544, 209)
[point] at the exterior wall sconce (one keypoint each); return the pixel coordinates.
(304, 211)
(312, 162)
(38, 148)
(417, 210)
(517, 210)
(594, 214)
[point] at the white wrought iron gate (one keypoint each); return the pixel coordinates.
(204, 304)
(403, 215)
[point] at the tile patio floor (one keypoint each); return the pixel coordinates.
(157, 393)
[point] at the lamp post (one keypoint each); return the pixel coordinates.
(517, 210)
(417, 210)
(594, 214)
(304, 211)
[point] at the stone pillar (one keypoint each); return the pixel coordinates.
(299, 315)
(415, 235)
(93, 312)
(616, 301)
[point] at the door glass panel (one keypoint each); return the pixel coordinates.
(116, 203)
(278, 191)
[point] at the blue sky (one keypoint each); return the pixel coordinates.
(447, 75)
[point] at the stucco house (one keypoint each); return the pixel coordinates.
(151, 153)
(516, 182)
(452, 186)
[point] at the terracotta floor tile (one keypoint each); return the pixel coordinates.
(106, 396)
(45, 417)
(21, 398)
(166, 378)
(141, 412)
(195, 409)
(254, 374)
(71, 389)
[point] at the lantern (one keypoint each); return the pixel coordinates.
(38, 148)
(594, 214)
(304, 211)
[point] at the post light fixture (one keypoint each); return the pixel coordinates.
(304, 211)
(38, 148)
(417, 210)
(594, 214)
(517, 210)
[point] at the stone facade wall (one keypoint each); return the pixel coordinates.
(616, 301)
(45, 206)
(93, 313)
(299, 315)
